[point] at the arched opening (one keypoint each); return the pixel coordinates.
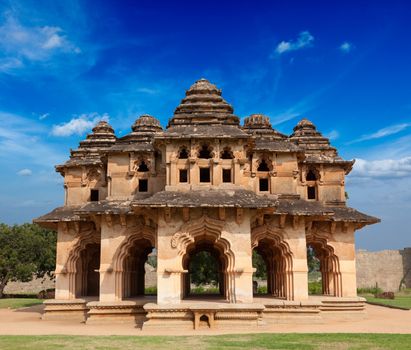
(183, 153)
(311, 180)
(134, 269)
(324, 277)
(273, 261)
(142, 167)
(206, 270)
(204, 321)
(311, 176)
(205, 152)
(260, 274)
(227, 153)
(87, 271)
(263, 166)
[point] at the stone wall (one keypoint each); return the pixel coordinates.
(384, 268)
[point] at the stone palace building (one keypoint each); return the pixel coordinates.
(205, 183)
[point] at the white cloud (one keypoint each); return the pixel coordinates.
(332, 135)
(148, 91)
(10, 64)
(305, 39)
(389, 130)
(384, 168)
(79, 125)
(22, 139)
(44, 116)
(346, 47)
(25, 172)
(21, 44)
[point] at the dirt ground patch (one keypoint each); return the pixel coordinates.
(27, 321)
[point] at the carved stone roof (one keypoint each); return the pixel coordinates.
(347, 214)
(275, 146)
(91, 149)
(205, 198)
(203, 131)
(307, 137)
(259, 125)
(210, 198)
(146, 123)
(141, 137)
(203, 104)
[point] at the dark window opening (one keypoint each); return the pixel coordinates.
(93, 195)
(263, 166)
(226, 175)
(142, 167)
(263, 185)
(227, 154)
(204, 152)
(311, 192)
(183, 154)
(311, 176)
(205, 175)
(143, 185)
(183, 175)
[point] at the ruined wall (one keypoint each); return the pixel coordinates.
(386, 268)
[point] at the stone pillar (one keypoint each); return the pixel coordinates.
(238, 232)
(112, 236)
(173, 173)
(294, 231)
(216, 172)
(65, 240)
(343, 242)
(169, 270)
(237, 172)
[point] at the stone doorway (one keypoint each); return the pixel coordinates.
(87, 271)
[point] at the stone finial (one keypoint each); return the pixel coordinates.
(103, 127)
(101, 137)
(259, 124)
(304, 127)
(259, 121)
(146, 123)
(203, 104)
(309, 138)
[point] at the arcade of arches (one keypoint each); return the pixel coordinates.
(205, 184)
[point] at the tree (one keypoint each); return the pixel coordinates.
(259, 265)
(204, 268)
(312, 261)
(25, 251)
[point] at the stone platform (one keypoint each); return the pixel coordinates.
(213, 313)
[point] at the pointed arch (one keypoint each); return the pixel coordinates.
(87, 237)
(144, 237)
(279, 260)
(207, 231)
(329, 263)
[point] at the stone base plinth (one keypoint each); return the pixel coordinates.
(284, 311)
(343, 308)
(203, 316)
(126, 311)
(75, 309)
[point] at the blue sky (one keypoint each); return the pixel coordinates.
(345, 65)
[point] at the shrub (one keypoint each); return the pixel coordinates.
(315, 288)
(370, 290)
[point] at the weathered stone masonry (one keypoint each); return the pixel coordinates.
(205, 183)
(387, 269)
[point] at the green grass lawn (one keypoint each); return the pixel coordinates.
(244, 341)
(16, 303)
(400, 301)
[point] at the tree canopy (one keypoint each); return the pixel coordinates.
(25, 251)
(204, 268)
